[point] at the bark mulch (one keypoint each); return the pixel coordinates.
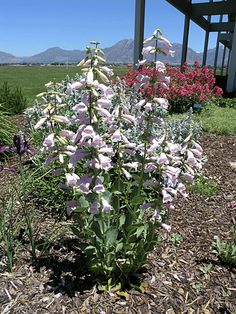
(183, 274)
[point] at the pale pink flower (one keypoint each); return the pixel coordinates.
(49, 141)
(141, 62)
(80, 107)
(94, 208)
(149, 40)
(74, 158)
(150, 166)
(67, 133)
(106, 207)
(74, 86)
(198, 147)
(89, 77)
(163, 160)
(105, 162)
(191, 160)
(166, 196)
(104, 103)
(166, 227)
(196, 153)
(61, 119)
(129, 118)
(160, 67)
(71, 206)
(84, 183)
(107, 70)
(40, 123)
(132, 165)
(182, 189)
(173, 148)
(71, 179)
(187, 177)
(148, 107)
(116, 136)
(98, 187)
(172, 53)
(126, 173)
(140, 104)
(147, 50)
(166, 41)
(162, 102)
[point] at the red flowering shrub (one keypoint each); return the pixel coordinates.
(187, 86)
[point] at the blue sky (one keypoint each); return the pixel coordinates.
(28, 27)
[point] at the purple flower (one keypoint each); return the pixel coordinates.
(105, 162)
(94, 208)
(49, 141)
(71, 179)
(21, 145)
(98, 187)
(106, 207)
(84, 183)
(70, 207)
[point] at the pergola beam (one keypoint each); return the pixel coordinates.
(185, 7)
(222, 27)
(231, 81)
(214, 8)
(139, 30)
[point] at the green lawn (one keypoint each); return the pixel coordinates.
(31, 79)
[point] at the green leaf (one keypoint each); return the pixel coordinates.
(138, 200)
(75, 231)
(90, 248)
(96, 228)
(119, 247)
(123, 294)
(139, 231)
(111, 235)
(83, 202)
(122, 220)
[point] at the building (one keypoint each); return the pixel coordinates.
(201, 14)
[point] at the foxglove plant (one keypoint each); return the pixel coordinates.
(123, 168)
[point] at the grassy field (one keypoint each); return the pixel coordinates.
(31, 79)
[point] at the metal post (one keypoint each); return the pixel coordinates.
(139, 30)
(229, 53)
(231, 81)
(223, 61)
(204, 57)
(185, 38)
(217, 46)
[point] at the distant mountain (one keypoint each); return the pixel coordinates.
(121, 52)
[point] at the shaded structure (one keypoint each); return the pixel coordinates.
(200, 13)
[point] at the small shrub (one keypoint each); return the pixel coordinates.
(119, 163)
(226, 251)
(223, 102)
(13, 101)
(204, 186)
(186, 86)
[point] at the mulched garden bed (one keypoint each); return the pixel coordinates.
(182, 276)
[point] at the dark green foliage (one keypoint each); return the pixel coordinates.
(12, 100)
(224, 102)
